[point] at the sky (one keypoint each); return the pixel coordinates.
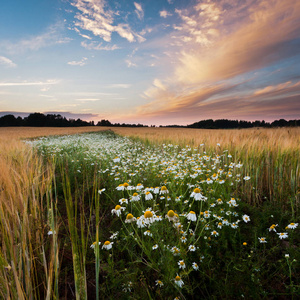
(155, 62)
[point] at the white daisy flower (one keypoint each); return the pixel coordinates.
(191, 216)
(107, 245)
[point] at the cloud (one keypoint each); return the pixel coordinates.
(119, 85)
(30, 83)
(80, 63)
(210, 56)
(164, 13)
(130, 64)
(139, 10)
(7, 62)
(51, 37)
(98, 46)
(96, 17)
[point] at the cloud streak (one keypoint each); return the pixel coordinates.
(7, 62)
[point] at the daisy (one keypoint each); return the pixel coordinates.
(159, 283)
(214, 233)
(195, 266)
(192, 248)
(234, 225)
(175, 251)
(130, 218)
(282, 235)
(139, 186)
(171, 216)
(272, 227)
(292, 225)
(123, 200)
(178, 281)
(155, 247)
(117, 210)
(181, 264)
(191, 216)
(183, 239)
(94, 245)
(107, 245)
(262, 240)
(164, 190)
(101, 191)
(247, 178)
(246, 218)
(148, 232)
(135, 197)
(196, 194)
(148, 196)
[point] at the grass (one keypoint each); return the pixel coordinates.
(52, 213)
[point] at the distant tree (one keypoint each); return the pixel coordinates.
(9, 120)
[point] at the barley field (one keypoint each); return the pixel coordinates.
(149, 213)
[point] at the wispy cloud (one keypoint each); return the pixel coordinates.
(119, 85)
(164, 13)
(30, 83)
(7, 62)
(52, 36)
(95, 16)
(99, 46)
(139, 10)
(80, 63)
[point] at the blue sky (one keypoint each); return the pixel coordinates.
(152, 62)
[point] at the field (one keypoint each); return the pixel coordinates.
(149, 213)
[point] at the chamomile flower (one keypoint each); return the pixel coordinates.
(139, 187)
(246, 218)
(123, 201)
(195, 266)
(117, 210)
(130, 218)
(272, 227)
(163, 190)
(135, 197)
(214, 233)
(192, 248)
(148, 196)
(171, 216)
(94, 245)
(282, 235)
(196, 194)
(292, 226)
(262, 240)
(148, 233)
(178, 281)
(159, 283)
(101, 191)
(247, 178)
(175, 251)
(181, 264)
(183, 239)
(107, 245)
(155, 247)
(191, 216)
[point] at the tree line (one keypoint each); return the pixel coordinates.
(56, 120)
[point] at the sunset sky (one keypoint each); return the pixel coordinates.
(152, 61)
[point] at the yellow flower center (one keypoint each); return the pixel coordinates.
(182, 263)
(177, 278)
(107, 243)
(147, 193)
(197, 190)
(171, 213)
(135, 194)
(163, 188)
(129, 216)
(292, 224)
(148, 214)
(245, 244)
(125, 184)
(192, 212)
(117, 207)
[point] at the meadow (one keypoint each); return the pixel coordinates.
(149, 213)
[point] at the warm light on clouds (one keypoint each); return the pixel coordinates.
(152, 62)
